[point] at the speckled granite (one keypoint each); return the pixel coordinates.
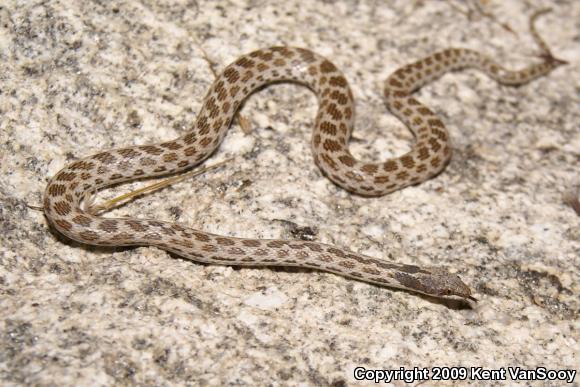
(77, 77)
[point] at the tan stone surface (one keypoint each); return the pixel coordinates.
(77, 77)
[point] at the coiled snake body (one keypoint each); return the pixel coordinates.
(332, 130)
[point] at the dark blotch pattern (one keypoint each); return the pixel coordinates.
(333, 127)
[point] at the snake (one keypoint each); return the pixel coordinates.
(67, 192)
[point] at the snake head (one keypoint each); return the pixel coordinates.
(453, 286)
(552, 60)
(436, 282)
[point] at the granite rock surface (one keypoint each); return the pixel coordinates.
(78, 77)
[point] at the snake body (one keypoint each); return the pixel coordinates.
(333, 126)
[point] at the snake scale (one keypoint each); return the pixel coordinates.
(64, 195)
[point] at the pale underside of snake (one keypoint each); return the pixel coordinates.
(63, 200)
